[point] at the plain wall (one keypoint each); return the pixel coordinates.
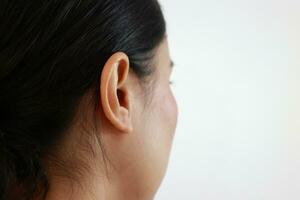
(236, 74)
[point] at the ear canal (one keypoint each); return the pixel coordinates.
(122, 98)
(120, 94)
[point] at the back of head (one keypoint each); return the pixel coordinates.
(51, 54)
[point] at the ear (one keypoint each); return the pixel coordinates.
(114, 92)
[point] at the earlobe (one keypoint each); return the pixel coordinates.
(114, 92)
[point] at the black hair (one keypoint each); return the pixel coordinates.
(51, 53)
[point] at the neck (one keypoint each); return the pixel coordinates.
(96, 188)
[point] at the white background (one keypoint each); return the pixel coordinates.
(237, 84)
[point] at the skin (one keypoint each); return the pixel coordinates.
(136, 131)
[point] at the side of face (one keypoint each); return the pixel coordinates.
(141, 153)
(155, 126)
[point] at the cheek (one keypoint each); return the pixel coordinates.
(151, 144)
(169, 111)
(173, 110)
(166, 119)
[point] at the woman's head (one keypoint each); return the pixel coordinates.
(84, 89)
